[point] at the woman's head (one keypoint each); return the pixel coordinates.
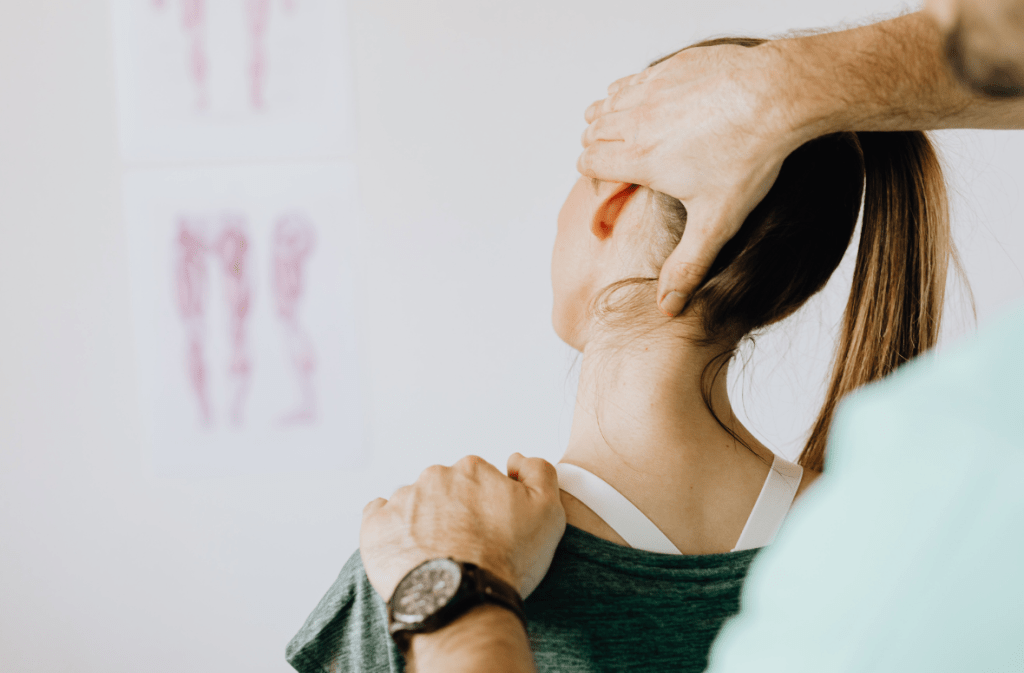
(603, 236)
(613, 238)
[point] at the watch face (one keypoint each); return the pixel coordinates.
(425, 589)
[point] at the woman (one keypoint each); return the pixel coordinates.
(668, 497)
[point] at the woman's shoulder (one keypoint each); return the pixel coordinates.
(579, 515)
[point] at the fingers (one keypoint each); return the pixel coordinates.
(634, 79)
(472, 464)
(619, 83)
(610, 104)
(609, 126)
(536, 474)
(686, 267)
(373, 506)
(626, 98)
(477, 468)
(610, 161)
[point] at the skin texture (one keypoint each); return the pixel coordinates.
(709, 126)
(640, 421)
(720, 168)
(888, 76)
(451, 511)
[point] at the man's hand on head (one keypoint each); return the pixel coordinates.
(509, 524)
(706, 126)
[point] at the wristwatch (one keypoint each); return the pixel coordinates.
(437, 591)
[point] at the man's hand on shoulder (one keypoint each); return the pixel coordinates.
(471, 512)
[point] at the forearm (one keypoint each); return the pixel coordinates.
(888, 76)
(487, 638)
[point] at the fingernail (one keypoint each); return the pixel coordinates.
(672, 303)
(612, 88)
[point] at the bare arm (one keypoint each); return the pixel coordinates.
(889, 76)
(712, 126)
(487, 638)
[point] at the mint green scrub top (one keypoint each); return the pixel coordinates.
(908, 553)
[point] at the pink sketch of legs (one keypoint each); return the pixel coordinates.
(258, 12)
(191, 282)
(193, 15)
(294, 239)
(232, 248)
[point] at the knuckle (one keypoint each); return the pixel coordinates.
(655, 86)
(546, 469)
(433, 472)
(584, 163)
(471, 463)
(402, 493)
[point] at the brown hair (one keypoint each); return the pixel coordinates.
(792, 242)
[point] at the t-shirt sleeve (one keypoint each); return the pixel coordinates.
(348, 629)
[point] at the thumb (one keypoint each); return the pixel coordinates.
(536, 474)
(686, 267)
(372, 506)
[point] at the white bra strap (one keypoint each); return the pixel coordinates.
(772, 505)
(615, 509)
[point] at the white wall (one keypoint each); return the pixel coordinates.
(469, 116)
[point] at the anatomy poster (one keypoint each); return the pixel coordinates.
(242, 288)
(228, 80)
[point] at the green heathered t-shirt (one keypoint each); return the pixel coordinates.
(601, 607)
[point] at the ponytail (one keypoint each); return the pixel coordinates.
(899, 282)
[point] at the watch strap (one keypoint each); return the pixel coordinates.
(492, 589)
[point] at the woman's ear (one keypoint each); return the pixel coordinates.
(612, 200)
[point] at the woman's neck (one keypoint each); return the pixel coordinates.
(642, 425)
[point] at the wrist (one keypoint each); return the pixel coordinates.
(806, 106)
(787, 114)
(483, 633)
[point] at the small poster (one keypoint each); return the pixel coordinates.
(242, 288)
(232, 80)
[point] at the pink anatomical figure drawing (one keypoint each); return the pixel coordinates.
(190, 271)
(258, 12)
(195, 25)
(294, 240)
(258, 15)
(232, 250)
(229, 251)
(193, 22)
